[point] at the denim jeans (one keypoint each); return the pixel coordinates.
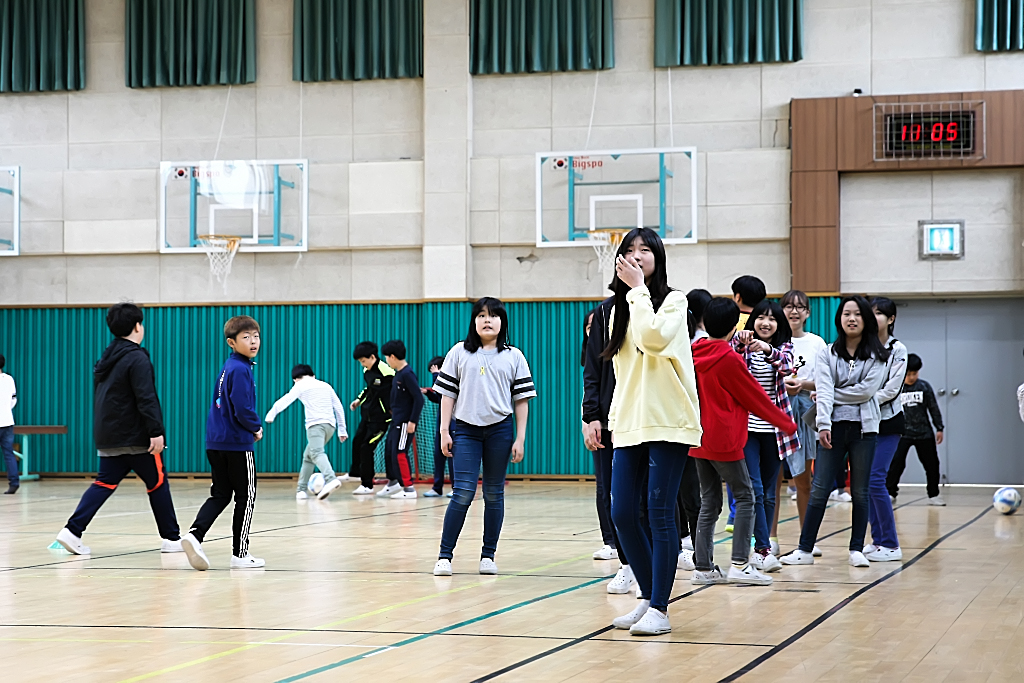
(7, 447)
(847, 440)
(883, 524)
(762, 456)
(712, 473)
(653, 559)
(473, 446)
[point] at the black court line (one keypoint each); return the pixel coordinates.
(753, 664)
(847, 528)
(571, 643)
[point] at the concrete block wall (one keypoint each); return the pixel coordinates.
(424, 188)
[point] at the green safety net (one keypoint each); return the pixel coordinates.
(999, 25)
(189, 42)
(356, 40)
(531, 36)
(712, 32)
(42, 45)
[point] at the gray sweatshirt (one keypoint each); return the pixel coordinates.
(848, 383)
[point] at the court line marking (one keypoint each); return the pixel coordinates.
(756, 662)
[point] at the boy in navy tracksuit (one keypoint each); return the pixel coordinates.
(439, 459)
(406, 405)
(232, 428)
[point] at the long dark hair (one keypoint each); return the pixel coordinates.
(583, 350)
(869, 346)
(657, 284)
(472, 342)
(886, 307)
(783, 332)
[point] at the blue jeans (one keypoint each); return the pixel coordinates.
(7, 446)
(847, 440)
(762, 456)
(472, 446)
(654, 559)
(883, 524)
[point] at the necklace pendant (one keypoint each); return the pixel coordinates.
(482, 370)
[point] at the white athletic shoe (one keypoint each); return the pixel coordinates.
(170, 546)
(443, 568)
(870, 548)
(72, 543)
(627, 620)
(687, 543)
(857, 559)
(714, 576)
(606, 552)
(623, 581)
(329, 487)
(639, 592)
(685, 560)
(301, 495)
(881, 554)
(362, 491)
(247, 562)
(774, 549)
(748, 576)
(816, 552)
(431, 493)
(402, 494)
(936, 500)
(194, 550)
(487, 566)
(389, 489)
(449, 494)
(652, 623)
(892, 499)
(345, 477)
(766, 563)
(844, 497)
(834, 495)
(797, 557)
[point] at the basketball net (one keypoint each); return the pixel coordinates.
(606, 244)
(221, 250)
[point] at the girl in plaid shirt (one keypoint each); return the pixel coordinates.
(767, 347)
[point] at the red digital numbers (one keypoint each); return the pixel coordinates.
(951, 132)
(914, 130)
(948, 132)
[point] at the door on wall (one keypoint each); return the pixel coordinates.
(971, 349)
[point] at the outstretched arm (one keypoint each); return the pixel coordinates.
(281, 404)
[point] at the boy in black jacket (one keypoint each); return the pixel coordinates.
(918, 403)
(374, 402)
(406, 406)
(129, 431)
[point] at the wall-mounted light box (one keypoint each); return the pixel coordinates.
(941, 240)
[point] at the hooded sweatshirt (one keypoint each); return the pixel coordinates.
(728, 394)
(232, 422)
(126, 410)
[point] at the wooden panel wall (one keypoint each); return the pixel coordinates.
(835, 135)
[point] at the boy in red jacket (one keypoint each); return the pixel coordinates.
(728, 392)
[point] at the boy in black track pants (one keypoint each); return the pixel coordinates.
(374, 402)
(918, 403)
(232, 429)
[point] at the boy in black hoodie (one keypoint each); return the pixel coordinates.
(129, 431)
(374, 403)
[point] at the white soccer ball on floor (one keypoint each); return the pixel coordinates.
(1006, 500)
(316, 483)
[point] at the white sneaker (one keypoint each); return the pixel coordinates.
(362, 491)
(652, 623)
(816, 552)
(639, 592)
(791, 490)
(627, 620)
(880, 554)
(705, 578)
(194, 550)
(431, 493)
(774, 549)
(622, 582)
(606, 552)
(892, 499)
(388, 490)
(834, 495)
(685, 560)
(402, 494)
(936, 500)
(870, 548)
(443, 568)
(748, 575)
(792, 496)
(765, 563)
(72, 543)
(332, 485)
(857, 559)
(170, 546)
(797, 557)
(345, 477)
(301, 495)
(844, 497)
(487, 566)
(449, 494)
(247, 562)
(688, 543)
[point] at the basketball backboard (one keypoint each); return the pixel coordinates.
(10, 210)
(580, 192)
(264, 202)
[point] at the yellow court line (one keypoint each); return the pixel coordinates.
(382, 610)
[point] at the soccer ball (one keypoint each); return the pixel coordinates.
(1006, 500)
(316, 484)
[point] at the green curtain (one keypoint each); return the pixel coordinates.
(42, 45)
(189, 42)
(999, 25)
(530, 36)
(709, 32)
(356, 40)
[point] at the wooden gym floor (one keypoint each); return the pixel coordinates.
(348, 594)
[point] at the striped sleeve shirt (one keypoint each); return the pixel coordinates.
(764, 373)
(321, 404)
(485, 384)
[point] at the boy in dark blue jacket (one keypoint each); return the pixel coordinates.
(232, 428)
(406, 405)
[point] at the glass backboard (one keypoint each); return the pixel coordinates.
(10, 210)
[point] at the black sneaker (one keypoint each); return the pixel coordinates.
(13, 488)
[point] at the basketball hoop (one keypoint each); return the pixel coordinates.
(606, 244)
(221, 250)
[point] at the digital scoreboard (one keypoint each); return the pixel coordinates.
(929, 134)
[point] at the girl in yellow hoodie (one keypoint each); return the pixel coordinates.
(654, 420)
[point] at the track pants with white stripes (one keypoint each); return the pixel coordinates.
(234, 472)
